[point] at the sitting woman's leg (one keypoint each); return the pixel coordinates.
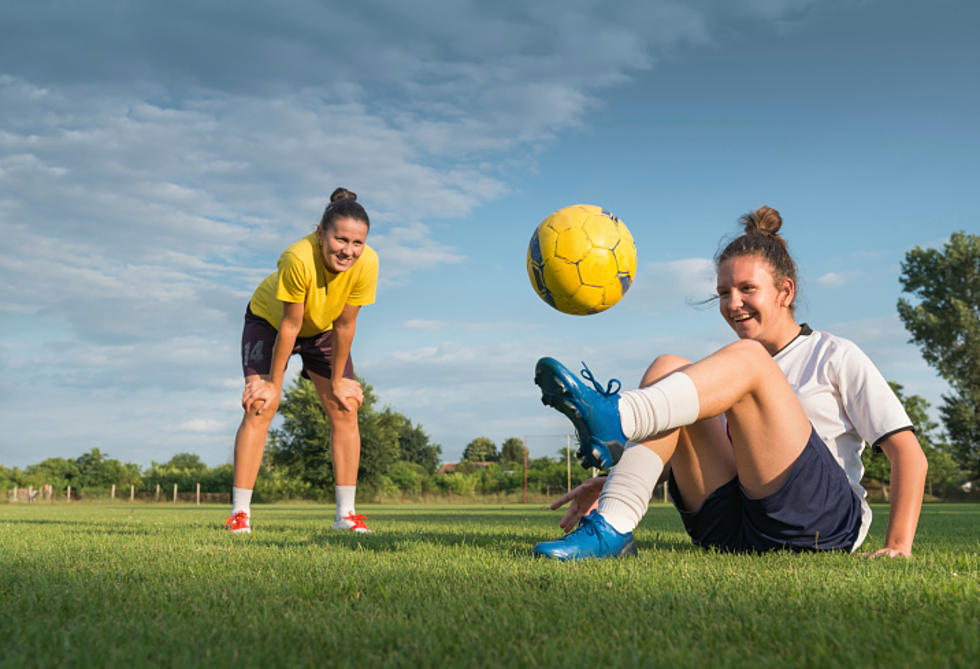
(767, 424)
(697, 471)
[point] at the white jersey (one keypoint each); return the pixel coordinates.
(846, 399)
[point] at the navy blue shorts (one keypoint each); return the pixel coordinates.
(259, 336)
(814, 510)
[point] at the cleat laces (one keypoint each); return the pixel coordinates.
(585, 526)
(609, 390)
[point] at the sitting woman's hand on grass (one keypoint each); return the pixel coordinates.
(581, 500)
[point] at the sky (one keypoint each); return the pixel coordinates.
(156, 159)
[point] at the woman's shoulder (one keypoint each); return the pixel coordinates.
(300, 252)
(835, 341)
(840, 351)
(304, 246)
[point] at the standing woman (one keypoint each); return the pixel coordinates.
(763, 438)
(309, 306)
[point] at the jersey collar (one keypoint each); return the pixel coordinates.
(805, 331)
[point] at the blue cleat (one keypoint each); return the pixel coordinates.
(593, 538)
(594, 413)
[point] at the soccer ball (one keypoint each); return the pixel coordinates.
(581, 260)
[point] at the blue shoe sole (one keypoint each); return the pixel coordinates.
(556, 383)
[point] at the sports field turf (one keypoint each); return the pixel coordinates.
(136, 585)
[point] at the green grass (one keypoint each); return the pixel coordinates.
(137, 585)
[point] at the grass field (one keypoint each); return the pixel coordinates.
(137, 585)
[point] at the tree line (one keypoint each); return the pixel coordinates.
(397, 460)
(397, 457)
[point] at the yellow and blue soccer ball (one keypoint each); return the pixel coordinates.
(581, 259)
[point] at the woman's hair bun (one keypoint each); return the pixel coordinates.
(342, 194)
(764, 219)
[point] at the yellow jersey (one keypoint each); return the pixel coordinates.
(302, 277)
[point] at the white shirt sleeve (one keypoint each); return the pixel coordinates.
(867, 399)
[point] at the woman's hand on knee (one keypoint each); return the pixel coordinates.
(349, 394)
(260, 396)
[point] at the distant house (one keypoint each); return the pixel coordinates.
(450, 467)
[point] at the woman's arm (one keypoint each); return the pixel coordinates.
(908, 479)
(347, 391)
(268, 390)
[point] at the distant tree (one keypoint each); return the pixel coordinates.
(414, 445)
(945, 324)
(9, 477)
(942, 469)
(512, 450)
(187, 462)
(302, 443)
(59, 472)
(480, 449)
(408, 477)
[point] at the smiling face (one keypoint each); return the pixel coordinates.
(342, 243)
(754, 304)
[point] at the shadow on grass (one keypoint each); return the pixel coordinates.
(503, 530)
(502, 542)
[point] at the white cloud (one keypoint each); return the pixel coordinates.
(408, 248)
(204, 426)
(832, 280)
(674, 285)
(431, 325)
(154, 160)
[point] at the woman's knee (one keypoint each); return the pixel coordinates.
(662, 366)
(752, 355)
(255, 419)
(340, 418)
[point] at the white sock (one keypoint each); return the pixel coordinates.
(345, 500)
(626, 494)
(241, 499)
(669, 403)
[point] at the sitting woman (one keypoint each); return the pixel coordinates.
(763, 438)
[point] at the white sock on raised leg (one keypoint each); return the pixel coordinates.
(669, 403)
(626, 493)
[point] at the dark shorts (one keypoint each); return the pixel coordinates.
(259, 336)
(815, 509)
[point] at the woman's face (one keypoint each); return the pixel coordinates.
(342, 243)
(751, 302)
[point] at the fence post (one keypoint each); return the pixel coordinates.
(132, 492)
(199, 494)
(525, 469)
(157, 499)
(69, 493)
(175, 493)
(112, 495)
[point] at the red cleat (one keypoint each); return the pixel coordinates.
(238, 523)
(353, 523)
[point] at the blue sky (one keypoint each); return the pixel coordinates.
(155, 162)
